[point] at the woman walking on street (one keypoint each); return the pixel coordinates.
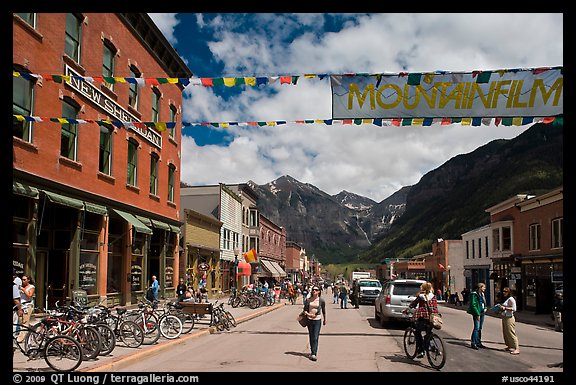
(509, 322)
(315, 310)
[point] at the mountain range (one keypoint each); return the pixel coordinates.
(447, 201)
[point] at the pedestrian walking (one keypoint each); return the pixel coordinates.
(315, 310)
(155, 286)
(508, 308)
(343, 297)
(334, 293)
(477, 309)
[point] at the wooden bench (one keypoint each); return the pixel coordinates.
(197, 308)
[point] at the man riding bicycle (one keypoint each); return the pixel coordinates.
(424, 303)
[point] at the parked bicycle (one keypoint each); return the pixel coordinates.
(433, 345)
(126, 331)
(222, 318)
(61, 353)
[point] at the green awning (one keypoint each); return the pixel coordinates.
(64, 200)
(144, 220)
(174, 229)
(138, 226)
(94, 208)
(160, 225)
(23, 189)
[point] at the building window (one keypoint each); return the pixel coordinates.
(557, 233)
(69, 133)
(133, 88)
(479, 247)
(473, 250)
(132, 162)
(173, 114)
(486, 246)
(534, 235)
(154, 174)
(73, 28)
(496, 240)
(29, 18)
(22, 101)
(506, 238)
(108, 61)
(171, 172)
(155, 105)
(105, 156)
(467, 250)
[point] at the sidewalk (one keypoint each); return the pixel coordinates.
(122, 356)
(523, 316)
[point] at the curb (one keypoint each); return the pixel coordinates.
(123, 361)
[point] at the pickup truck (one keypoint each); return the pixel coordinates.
(369, 289)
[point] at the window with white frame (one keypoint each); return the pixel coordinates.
(534, 235)
(133, 88)
(22, 102)
(557, 233)
(73, 36)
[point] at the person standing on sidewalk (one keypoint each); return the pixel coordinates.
(315, 310)
(343, 297)
(477, 308)
(508, 308)
(27, 291)
(181, 290)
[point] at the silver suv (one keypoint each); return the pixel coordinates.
(395, 296)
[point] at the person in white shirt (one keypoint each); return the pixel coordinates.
(27, 300)
(508, 308)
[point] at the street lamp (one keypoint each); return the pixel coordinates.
(236, 252)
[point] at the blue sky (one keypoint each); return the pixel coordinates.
(367, 160)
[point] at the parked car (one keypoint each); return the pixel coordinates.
(395, 296)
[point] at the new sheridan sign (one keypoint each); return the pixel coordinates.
(111, 107)
(503, 93)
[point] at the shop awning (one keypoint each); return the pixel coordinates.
(64, 200)
(244, 268)
(278, 268)
(144, 220)
(270, 268)
(94, 208)
(160, 225)
(138, 225)
(174, 229)
(24, 189)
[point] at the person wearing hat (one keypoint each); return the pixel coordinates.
(315, 310)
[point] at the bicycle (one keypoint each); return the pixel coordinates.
(61, 353)
(67, 321)
(187, 319)
(125, 330)
(433, 345)
(222, 318)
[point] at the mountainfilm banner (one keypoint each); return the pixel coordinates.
(534, 92)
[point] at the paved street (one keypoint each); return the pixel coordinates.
(352, 340)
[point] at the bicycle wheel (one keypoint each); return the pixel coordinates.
(187, 321)
(36, 336)
(170, 326)
(410, 343)
(253, 303)
(63, 353)
(230, 318)
(149, 326)
(90, 341)
(436, 353)
(108, 339)
(130, 334)
(236, 302)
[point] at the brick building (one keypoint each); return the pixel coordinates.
(96, 205)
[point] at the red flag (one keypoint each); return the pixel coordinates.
(441, 266)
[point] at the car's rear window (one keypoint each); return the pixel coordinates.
(406, 289)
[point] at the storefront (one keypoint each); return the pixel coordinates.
(542, 278)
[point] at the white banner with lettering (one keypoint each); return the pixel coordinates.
(536, 92)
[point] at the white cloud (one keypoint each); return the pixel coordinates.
(166, 22)
(367, 160)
